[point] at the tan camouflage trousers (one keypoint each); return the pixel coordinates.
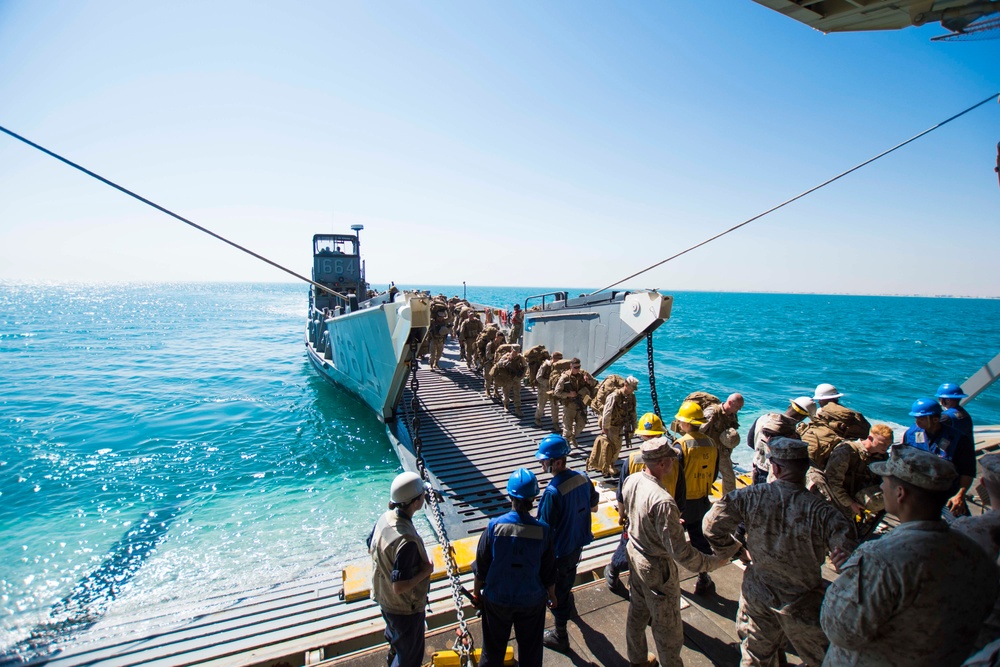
(654, 600)
(605, 452)
(437, 349)
(764, 631)
(489, 386)
(545, 398)
(512, 391)
(471, 353)
(726, 470)
(574, 419)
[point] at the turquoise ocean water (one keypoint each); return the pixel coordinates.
(195, 403)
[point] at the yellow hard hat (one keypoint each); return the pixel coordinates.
(650, 424)
(691, 413)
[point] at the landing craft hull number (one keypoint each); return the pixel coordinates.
(338, 266)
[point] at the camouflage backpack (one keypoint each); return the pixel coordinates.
(507, 369)
(702, 398)
(535, 357)
(828, 429)
(608, 385)
(486, 337)
(558, 368)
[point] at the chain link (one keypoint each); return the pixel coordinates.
(652, 375)
(464, 642)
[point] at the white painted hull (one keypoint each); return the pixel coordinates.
(369, 350)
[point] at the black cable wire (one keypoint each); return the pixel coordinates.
(165, 210)
(801, 195)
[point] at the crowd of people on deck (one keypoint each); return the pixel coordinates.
(917, 575)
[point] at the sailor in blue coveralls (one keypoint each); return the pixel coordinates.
(943, 439)
(566, 506)
(950, 397)
(515, 577)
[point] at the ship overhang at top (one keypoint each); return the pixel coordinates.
(862, 15)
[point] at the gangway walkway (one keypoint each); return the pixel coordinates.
(471, 444)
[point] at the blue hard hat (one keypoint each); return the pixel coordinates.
(950, 390)
(925, 407)
(522, 484)
(552, 446)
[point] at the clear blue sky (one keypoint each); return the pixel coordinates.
(505, 143)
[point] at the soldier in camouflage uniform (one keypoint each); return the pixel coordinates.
(789, 531)
(853, 487)
(507, 374)
(722, 426)
(985, 530)
(571, 389)
(656, 541)
(440, 327)
(489, 359)
(831, 424)
(618, 417)
(918, 595)
(471, 328)
(768, 426)
(516, 324)
(461, 311)
(535, 357)
(545, 396)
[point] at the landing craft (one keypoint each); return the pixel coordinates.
(964, 19)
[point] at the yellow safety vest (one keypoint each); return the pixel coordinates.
(701, 460)
(668, 481)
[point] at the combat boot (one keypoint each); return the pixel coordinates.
(705, 585)
(557, 639)
(615, 584)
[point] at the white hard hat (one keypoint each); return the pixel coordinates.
(805, 406)
(406, 487)
(826, 392)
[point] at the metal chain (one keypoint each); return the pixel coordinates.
(464, 642)
(652, 375)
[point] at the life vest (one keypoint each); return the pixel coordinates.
(392, 531)
(701, 461)
(514, 576)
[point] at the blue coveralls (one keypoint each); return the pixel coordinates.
(565, 506)
(960, 418)
(951, 444)
(516, 560)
